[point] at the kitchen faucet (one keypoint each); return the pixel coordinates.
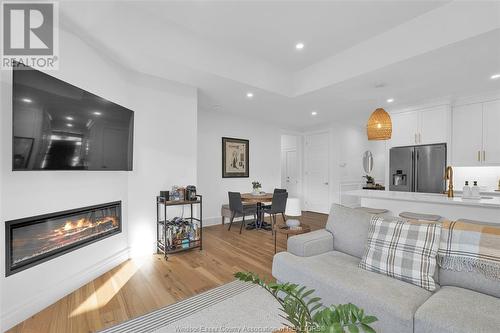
(449, 177)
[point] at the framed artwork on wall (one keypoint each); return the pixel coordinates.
(235, 158)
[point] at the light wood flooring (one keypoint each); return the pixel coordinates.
(141, 285)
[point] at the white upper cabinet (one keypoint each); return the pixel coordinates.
(491, 133)
(435, 125)
(476, 138)
(467, 136)
(404, 129)
(421, 127)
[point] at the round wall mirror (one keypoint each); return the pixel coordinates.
(368, 161)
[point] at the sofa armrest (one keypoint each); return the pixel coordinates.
(311, 243)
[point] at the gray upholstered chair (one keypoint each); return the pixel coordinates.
(276, 190)
(278, 206)
(239, 210)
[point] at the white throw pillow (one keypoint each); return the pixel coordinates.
(403, 250)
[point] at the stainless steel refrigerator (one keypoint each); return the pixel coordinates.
(418, 168)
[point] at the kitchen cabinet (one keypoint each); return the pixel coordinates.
(476, 136)
(427, 126)
(467, 138)
(491, 133)
(404, 129)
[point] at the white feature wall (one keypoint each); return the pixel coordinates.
(164, 152)
(164, 112)
(264, 158)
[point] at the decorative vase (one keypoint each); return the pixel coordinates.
(257, 190)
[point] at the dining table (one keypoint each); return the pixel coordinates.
(258, 199)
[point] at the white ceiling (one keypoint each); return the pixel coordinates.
(269, 30)
(421, 51)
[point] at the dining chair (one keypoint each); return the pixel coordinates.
(239, 210)
(276, 190)
(278, 206)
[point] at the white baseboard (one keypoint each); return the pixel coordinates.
(209, 221)
(42, 300)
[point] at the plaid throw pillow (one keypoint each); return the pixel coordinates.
(403, 250)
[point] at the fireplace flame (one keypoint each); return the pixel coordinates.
(84, 223)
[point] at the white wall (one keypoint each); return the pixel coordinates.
(164, 151)
(163, 110)
(264, 158)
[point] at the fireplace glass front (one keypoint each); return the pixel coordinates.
(31, 241)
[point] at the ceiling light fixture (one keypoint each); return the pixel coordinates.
(390, 100)
(97, 113)
(27, 100)
(299, 46)
(69, 125)
(495, 76)
(249, 95)
(69, 118)
(379, 125)
(314, 113)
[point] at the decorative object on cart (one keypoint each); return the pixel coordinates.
(304, 313)
(235, 158)
(191, 193)
(179, 233)
(177, 193)
(256, 187)
(294, 210)
(34, 240)
(165, 194)
(379, 126)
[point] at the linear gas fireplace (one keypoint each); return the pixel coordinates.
(33, 240)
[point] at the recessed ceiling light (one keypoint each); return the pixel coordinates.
(69, 118)
(27, 100)
(69, 125)
(299, 46)
(495, 76)
(249, 95)
(390, 100)
(314, 113)
(97, 113)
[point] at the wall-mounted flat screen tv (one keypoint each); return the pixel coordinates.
(57, 126)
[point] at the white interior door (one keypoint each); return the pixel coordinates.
(316, 172)
(291, 173)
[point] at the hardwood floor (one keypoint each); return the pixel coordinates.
(141, 285)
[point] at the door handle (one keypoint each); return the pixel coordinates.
(326, 183)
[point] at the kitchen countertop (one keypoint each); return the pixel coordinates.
(493, 202)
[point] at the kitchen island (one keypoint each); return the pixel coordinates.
(485, 209)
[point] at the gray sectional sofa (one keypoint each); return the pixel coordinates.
(327, 261)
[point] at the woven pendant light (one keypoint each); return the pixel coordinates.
(379, 125)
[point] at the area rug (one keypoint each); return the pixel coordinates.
(233, 307)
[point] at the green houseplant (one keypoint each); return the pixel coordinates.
(305, 314)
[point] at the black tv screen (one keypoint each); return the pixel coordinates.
(57, 126)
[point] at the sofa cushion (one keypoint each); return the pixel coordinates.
(402, 250)
(337, 279)
(458, 310)
(349, 228)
